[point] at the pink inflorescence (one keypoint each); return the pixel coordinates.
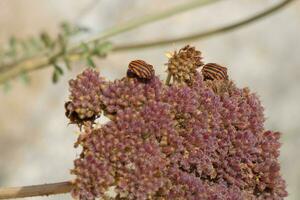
(184, 141)
(85, 96)
(130, 93)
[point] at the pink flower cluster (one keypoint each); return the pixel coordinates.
(85, 96)
(174, 142)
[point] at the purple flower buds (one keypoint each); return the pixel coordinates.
(201, 140)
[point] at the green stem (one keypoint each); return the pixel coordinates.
(135, 23)
(202, 35)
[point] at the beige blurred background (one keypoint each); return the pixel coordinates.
(36, 145)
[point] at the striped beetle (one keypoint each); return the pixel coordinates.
(214, 71)
(140, 69)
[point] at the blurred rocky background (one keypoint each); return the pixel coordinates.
(36, 144)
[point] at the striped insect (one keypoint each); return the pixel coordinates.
(140, 69)
(213, 71)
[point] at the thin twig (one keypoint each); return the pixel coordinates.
(141, 21)
(42, 62)
(36, 190)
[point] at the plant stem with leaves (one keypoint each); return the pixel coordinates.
(10, 71)
(46, 58)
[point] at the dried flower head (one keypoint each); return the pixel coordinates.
(182, 65)
(202, 140)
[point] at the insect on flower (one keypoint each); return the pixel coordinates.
(74, 117)
(213, 71)
(140, 69)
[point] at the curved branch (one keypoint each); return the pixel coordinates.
(36, 190)
(141, 21)
(42, 62)
(205, 34)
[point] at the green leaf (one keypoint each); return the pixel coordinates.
(13, 47)
(84, 47)
(69, 29)
(90, 62)
(62, 41)
(25, 47)
(46, 40)
(103, 48)
(6, 87)
(13, 42)
(67, 63)
(55, 76)
(25, 78)
(35, 43)
(66, 28)
(58, 69)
